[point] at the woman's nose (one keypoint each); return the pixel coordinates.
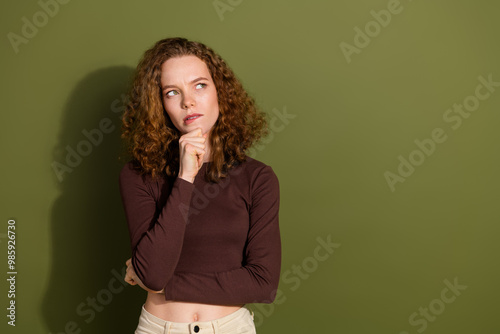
(187, 101)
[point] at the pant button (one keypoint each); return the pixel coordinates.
(196, 329)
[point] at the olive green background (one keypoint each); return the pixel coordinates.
(347, 125)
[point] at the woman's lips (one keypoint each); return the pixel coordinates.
(191, 118)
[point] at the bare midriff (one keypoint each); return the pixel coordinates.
(185, 312)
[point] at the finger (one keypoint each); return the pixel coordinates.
(129, 261)
(194, 149)
(200, 161)
(130, 272)
(132, 282)
(183, 145)
(130, 276)
(195, 133)
(199, 140)
(129, 280)
(189, 147)
(192, 140)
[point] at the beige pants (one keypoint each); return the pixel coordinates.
(238, 322)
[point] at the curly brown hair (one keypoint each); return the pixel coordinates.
(152, 140)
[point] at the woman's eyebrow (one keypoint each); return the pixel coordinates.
(192, 81)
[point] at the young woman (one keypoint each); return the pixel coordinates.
(202, 215)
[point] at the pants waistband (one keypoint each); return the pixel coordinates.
(199, 327)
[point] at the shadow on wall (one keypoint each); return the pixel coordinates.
(90, 241)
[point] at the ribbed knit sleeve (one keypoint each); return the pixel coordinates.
(256, 281)
(156, 239)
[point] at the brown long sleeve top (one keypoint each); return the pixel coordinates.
(212, 243)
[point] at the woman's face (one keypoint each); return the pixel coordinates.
(189, 94)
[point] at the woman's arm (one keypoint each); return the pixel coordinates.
(156, 240)
(256, 281)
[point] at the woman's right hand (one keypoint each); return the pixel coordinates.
(191, 154)
(132, 279)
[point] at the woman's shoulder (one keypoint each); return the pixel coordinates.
(252, 164)
(133, 182)
(131, 173)
(261, 180)
(256, 169)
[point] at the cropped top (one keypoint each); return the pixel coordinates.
(204, 242)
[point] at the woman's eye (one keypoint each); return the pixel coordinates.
(171, 93)
(201, 85)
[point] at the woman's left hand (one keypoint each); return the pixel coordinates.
(132, 279)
